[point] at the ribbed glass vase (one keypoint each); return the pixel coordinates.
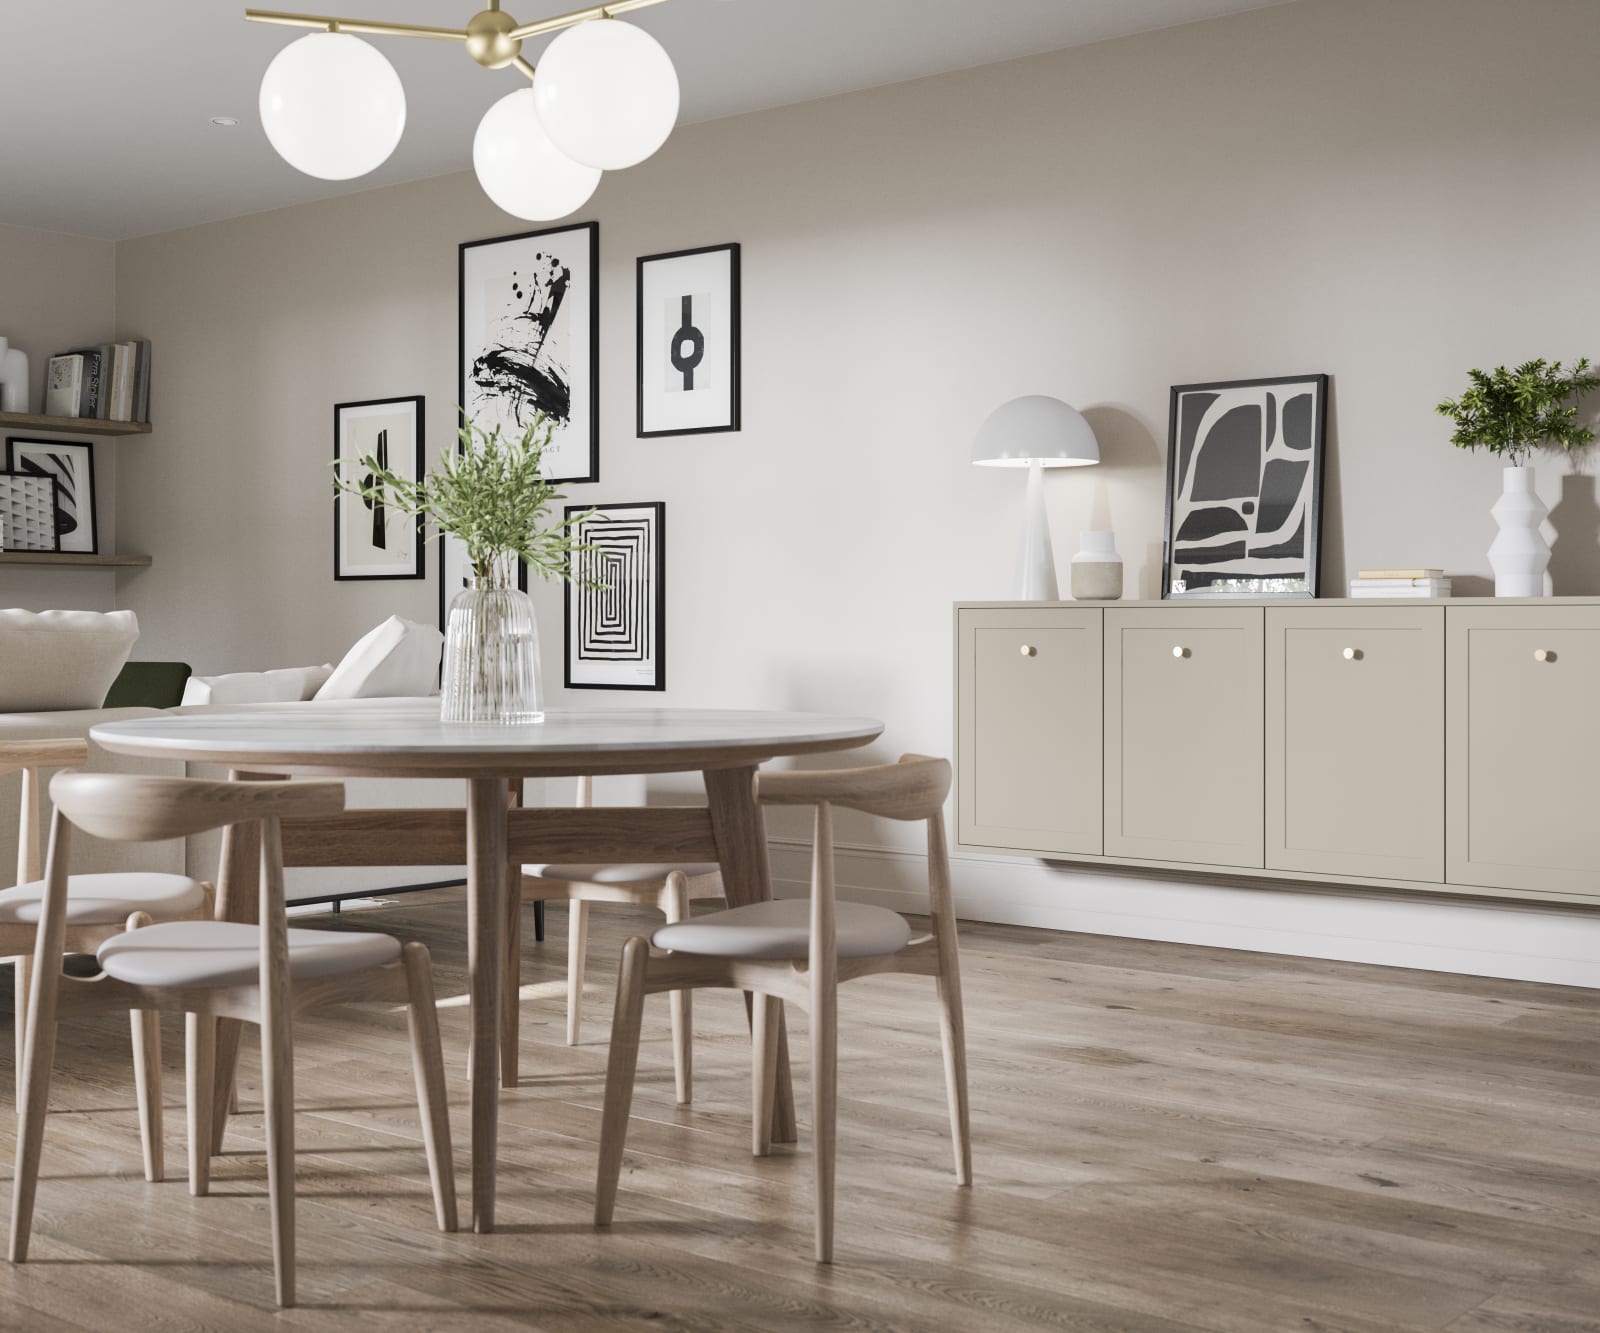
(491, 657)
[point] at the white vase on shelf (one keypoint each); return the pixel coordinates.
(1519, 553)
(13, 378)
(1097, 568)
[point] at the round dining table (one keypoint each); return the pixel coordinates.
(406, 739)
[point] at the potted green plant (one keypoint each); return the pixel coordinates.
(1511, 413)
(491, 495)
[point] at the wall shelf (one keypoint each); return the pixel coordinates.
(71, 425)
(72, 559)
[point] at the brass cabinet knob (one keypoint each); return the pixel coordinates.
(1543, 655)
(1180, 652)
(1028, 650)
(1353, 654)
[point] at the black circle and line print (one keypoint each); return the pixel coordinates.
(689, 337)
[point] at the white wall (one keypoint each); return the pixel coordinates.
(1391, 191)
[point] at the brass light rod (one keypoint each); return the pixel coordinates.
(371, 26)
(605, 11)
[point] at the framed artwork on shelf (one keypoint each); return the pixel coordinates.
(688, 341)
(71, 463)
(1244, 488)
(529, 341)
(372, 540)
(28, 510)
(615, 608)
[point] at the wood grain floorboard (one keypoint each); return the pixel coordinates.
(1166, 1139)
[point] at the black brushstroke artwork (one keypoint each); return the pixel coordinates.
(374, 503)
(683, 361)
(521, 364)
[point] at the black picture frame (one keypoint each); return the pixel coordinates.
(22, 447)
(8, 543)
(655, 632)
(734, 407)
(418, 568)
(1258, 566)
(586, 235)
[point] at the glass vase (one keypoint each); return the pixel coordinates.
(491, 657)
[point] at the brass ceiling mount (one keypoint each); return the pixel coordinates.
(489, 39)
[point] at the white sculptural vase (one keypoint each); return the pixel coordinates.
(13, 378)
(1519, 554)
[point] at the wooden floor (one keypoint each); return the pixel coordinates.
(1166, 1138)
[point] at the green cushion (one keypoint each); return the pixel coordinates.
(149, 685)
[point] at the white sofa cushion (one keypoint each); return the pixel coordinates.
(397, 660)
(61, 659)
(282, 686)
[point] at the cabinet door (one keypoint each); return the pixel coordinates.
(1355, 741)
(1183, 734)
(1029, 729)
(1523, 734)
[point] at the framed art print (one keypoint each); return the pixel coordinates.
(372, 540)
(615, 611)
(28, 510)
(688, 341)
(530, 341)
(71, 463)
(1244, 488)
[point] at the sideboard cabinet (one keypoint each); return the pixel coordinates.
(1440, 746)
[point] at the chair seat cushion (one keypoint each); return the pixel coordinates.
(99, 900)
(635, 873)
(783, 930)
(226, 953)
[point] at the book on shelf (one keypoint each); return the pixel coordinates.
(89, 398)
(1419, 582)
(1422, 588)
(1400, 574)
(63, 385)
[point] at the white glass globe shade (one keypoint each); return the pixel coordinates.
(607, 94)
(332, 106)
(520, 169)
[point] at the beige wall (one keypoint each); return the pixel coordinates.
(58, 292)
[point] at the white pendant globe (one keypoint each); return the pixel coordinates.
(520, 169)
(607, 94)
(332, 106)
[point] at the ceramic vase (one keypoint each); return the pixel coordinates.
(13, 378)
(1097, 569)
(1519, 554)
(491, 657)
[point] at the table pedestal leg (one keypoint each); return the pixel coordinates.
(741, 834)
(486, 890)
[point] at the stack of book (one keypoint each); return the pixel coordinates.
(108, 382)
(1400, 583)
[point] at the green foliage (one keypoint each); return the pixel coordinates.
(1511, 413)
(489, 494)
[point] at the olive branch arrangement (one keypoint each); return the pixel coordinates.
(489, 494)
(1513, 412)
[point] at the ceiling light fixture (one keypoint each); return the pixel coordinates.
(605, 97)
(227, 122)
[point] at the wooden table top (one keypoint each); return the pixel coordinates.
(405, 738)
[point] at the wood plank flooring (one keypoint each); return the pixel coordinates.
(1166, 1138)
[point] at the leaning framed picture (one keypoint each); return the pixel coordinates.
(1244, 488)
(371, 539)
(688, 341)
(28, 512)
(71, 463)
(615, 608)
(529, 341)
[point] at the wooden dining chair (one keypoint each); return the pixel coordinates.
(265, 974)
(794, 951)
(668, 888)
(98, 907)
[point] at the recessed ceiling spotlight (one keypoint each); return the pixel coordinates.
(226, 121)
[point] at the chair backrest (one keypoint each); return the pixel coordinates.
(30, 757)
(914, 788)
(127, 807)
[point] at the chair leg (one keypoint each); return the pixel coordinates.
(147, 1083)
(953, 1038)
(511, 983)
(23, 981)
(36, 1056)
(427, 1061)
(200, 1040)
(577, 952)
(824, 1103)
(676, 907)
(621, 1063)
(277, 1087)
(763, 1071)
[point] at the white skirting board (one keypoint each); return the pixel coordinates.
(1490, 939)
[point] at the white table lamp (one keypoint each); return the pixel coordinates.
(1035, 432)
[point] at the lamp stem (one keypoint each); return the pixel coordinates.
(1036, 561)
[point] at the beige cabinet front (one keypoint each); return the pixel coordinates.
(1523, 743)
(1028, 729)
(1183, 734)
(1355, 741)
